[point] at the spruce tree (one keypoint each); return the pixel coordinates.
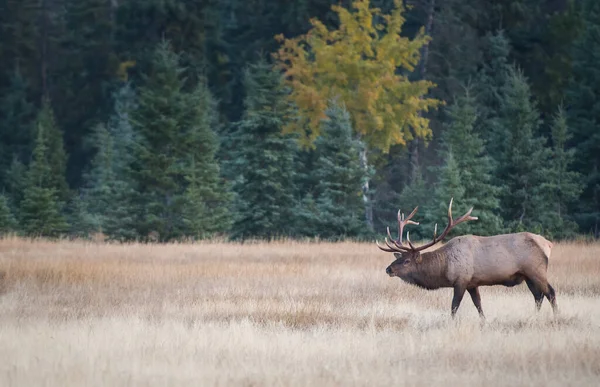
(489, 87)
(525, 159)
(16, 116)
(176, 142)
(7, 220)
(583, 101)
(15, 183)
(449, 186)
(56, 156)
(81, 222)
(156, 169)
(41, 207)
(564, 185)
(416, 194)
(97, 195)
(340, 177)
(464, 151)
(206, 197)
(107, 191)
(263, 159)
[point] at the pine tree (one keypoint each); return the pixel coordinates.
(463, 150)
(41, 207)
(583, 97)
(340, 177)
(564, 185)
(263, 158)
(524, 161)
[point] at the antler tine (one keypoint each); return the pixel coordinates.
(413, 214)
(384, 249)
(389, 234)
(466, 217)
(396, 245)
(395, 241)
(390, 246)
(408, 240)
(450, 226)
(403, 221)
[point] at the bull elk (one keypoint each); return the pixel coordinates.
(469, 261)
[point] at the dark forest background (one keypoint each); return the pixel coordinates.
(162, 119)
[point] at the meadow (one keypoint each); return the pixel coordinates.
(279, 314)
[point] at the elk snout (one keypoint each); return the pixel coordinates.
(389, 271)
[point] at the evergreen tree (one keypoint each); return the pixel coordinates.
(206, 198)
(416, 194)
(583, 96)
(86, 72)
(55, 156)
(175, 127)
(263, 158)
(449, 185)
(159, 118)
(524, 162)
(564, 185)
(16, 116)
(97, 192)
(15, 184)
(489, 87)
(464, 152)
(20, 31)
(81, 222)
(340, 176)
(41, 207)
(194, 28)
(7, 220)
(107, 192)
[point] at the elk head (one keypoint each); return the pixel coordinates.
(408, 256)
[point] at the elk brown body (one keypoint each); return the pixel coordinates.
(467, 262)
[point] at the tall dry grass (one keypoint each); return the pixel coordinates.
(286, 313)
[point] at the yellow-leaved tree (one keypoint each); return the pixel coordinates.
(364, 64)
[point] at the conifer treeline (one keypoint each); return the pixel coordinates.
(163, 119)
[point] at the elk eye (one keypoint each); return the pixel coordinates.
(406, 262)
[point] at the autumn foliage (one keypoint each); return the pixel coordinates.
(365, 63)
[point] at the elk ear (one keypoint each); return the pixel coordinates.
(418, 258)
(398, 255)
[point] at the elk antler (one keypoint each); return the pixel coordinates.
(400, 247)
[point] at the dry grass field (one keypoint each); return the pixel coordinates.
(280, 314)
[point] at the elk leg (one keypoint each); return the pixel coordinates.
(538, 295)
(551, 296)
(459, 292)
(474, 292)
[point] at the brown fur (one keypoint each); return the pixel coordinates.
(467, 262)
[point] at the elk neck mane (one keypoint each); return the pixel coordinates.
(431, 271)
